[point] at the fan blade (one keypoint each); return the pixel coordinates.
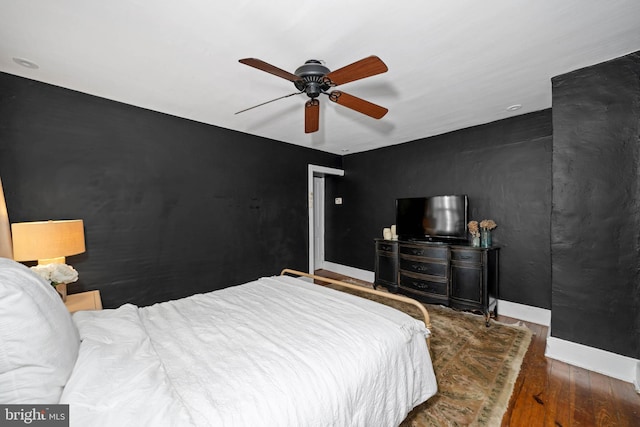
(366, 67)
(264, 103)
(311, 116)
(261, 65)
(358, 104)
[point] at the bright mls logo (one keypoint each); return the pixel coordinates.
(34, 415)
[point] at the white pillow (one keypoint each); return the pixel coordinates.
(38, 339)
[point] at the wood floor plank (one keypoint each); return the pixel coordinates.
(582, 406)
(517, 409)
(513, 408)
(604, 408)
(557, 413)
(627, 402)
(529, 403)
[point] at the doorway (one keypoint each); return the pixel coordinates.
(318, 222)
(316, 203)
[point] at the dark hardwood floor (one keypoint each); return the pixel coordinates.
(552, 393)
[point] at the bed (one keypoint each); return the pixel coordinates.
(277, 351)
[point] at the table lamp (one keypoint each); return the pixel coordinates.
(48, 242)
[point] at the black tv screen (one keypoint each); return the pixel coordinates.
(432, 218)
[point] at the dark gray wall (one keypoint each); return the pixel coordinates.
(171, 207)
(596, 206)
(505, 169)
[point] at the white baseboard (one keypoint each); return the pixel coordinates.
(593, 359)
(527, 313)
(590, 358)
(356, 273)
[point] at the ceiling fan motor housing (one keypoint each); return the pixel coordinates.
(312, 74)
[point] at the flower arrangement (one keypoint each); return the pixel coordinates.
(488, 224)
(473, 229)
(56, 274)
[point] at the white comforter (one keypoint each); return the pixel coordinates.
(274, 352)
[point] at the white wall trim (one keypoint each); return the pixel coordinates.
(540, 316)
(593, 359)
(636, 383)
(315, 170)
(356, 273)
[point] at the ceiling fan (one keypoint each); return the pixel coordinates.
(314, 78)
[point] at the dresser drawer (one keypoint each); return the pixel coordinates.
(423, 284)
(419, 266)
(466, 255)
(425, 251)
(387, 247)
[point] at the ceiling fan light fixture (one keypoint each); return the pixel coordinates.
(26, 63)
(314, 89)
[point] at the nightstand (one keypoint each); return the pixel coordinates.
(84, 301)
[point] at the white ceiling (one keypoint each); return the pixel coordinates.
(452, 64)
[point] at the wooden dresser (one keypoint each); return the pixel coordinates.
(458, 276)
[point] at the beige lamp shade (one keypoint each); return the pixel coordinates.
(47, 241)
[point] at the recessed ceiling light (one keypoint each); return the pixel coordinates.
(26, 63)
(514, 107)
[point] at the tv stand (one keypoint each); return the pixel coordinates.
(454, 275)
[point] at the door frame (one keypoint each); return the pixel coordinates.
(318, 221)
(316, 171)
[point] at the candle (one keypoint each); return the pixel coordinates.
(386, 233)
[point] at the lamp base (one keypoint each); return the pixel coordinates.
(58, 260)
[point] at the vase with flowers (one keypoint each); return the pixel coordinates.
(474, 230)
(486, 225)
(58, 275)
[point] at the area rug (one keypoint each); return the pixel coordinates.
(476, 366)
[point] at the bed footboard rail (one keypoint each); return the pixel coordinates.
(407, 300)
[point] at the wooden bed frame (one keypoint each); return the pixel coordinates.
(417, 304)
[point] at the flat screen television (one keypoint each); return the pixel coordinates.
(435, 218)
